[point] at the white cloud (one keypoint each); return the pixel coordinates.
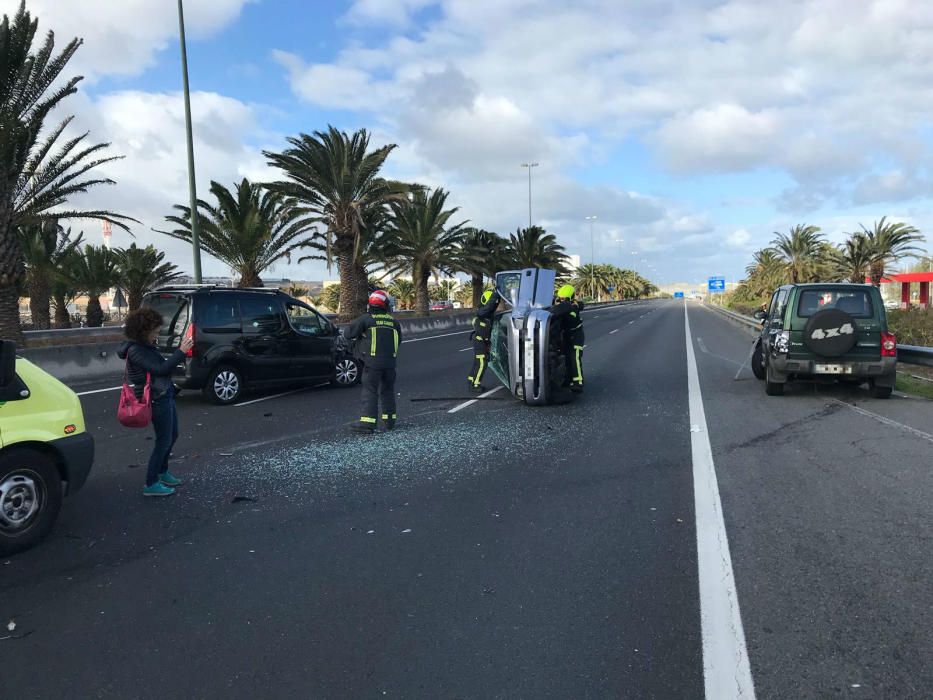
(122, 37)
(739, 238)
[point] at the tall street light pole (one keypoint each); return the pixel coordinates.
(192, 191)
(529, 166)
(591, 219)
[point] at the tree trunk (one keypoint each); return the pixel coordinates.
(249, 278)
(9, 314)
(353, 287)
(421, 289)
(95, 314)
(477, 281)
(38, 290)
(134, 300)
(62, 318)
(877, 272)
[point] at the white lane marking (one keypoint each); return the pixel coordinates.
(726, 670)
(464, 349)
(630, 322)
(473, 401)
(99, 391)
(432, 337)
(278, 396)
(615, 331)
(887, 421)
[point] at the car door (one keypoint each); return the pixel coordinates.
(266, 338)
(311, 342)
(774, 324)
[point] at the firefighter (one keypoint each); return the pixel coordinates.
(377, 336)
(481, 335)
(568, 312)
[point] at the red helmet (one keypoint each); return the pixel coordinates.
(379, 298)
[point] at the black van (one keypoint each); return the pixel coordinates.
(249, 337)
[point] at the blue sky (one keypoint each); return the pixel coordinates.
(692, 130)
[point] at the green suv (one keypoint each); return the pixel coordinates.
(826, 332)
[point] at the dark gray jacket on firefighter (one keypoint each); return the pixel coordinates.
(377, 335)
(485, 316)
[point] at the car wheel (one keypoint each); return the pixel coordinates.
(30, 499)
(224, 385)
(881, 392)
(346, 372)
(758, 362)
(772, 388)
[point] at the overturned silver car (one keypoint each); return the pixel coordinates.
(527, 354)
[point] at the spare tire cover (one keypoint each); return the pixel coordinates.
(830, 333)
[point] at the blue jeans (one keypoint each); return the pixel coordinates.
(165, 424)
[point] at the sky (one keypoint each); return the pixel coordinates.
(691, 129)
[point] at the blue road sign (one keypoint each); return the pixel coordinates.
(678, 295)
(717, 284)
(611, 288)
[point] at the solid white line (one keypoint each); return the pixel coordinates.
(473, 401)
(278, 396)
(99, 391)
(630, 322)
(432, 337)
(887, 421)
(615, 331)
(726, 671)
(464, 349)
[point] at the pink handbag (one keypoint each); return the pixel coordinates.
(133, 412)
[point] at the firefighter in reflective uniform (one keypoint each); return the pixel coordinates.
(568, 312)
(482, 333)
(377, 335)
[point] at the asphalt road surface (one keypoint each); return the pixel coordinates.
(671, 534)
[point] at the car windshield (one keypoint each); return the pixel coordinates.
(303, 319)
(855, 302)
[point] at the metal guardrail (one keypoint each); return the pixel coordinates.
(908, 354)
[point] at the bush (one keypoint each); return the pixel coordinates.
(912, 327)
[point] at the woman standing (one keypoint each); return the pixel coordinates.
(142, 358)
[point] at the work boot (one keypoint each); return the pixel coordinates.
(363, 428)
(477, 389)
(576, 388)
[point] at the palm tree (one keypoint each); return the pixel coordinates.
(534, 247)
(465, 295)
(591, 280)
(45, 245)
(798, 250)
(36, 177)
(335, 178)
(297, 291)
(63, 288)
(481, 255)
(249, 228)
(93, 272)
(765, 274)
(890, 242)
(404, 292)
(331, 296)
(425, 244)
(853, 261)
(140, 270)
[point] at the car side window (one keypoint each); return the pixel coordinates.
(220, 314)
(778, 306)
(304, 320)
(261, 316)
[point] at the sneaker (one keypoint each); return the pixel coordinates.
(158, 489)
(169, 479)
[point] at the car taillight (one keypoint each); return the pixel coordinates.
(190, 334)
(888, 345)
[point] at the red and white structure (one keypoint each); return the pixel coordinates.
(108, 234)
(905, 279)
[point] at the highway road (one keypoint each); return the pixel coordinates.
(672, 533)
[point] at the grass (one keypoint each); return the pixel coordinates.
(915, 387)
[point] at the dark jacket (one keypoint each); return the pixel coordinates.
(568, 313)
(146, 359)
(485, 315)
(377, 337)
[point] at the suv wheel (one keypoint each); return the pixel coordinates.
(881, 392)
(30, 498)
(772, 388)
(347, 372)
(758, 362)
(224, 385)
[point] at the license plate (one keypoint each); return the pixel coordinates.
(832, 369)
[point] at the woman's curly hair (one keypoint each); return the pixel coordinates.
(140, 323)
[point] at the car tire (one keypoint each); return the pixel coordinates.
(224, 385)
(347, 372)
(772, 388)
(881, 392)
(30, 498)
(758, 362)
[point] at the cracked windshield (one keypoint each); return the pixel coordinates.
(466, 349)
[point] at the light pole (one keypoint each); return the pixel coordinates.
(591, 219)
(192, 192)
(529, 166)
